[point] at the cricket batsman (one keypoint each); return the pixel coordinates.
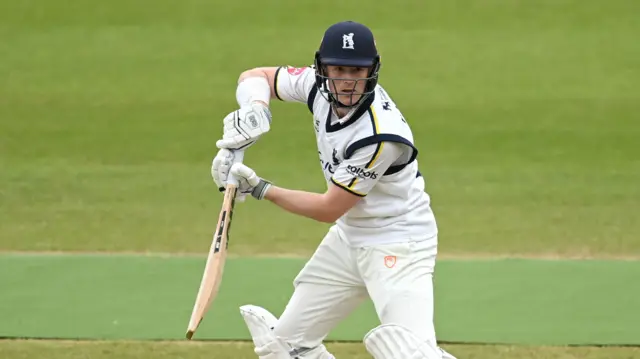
(384, 239)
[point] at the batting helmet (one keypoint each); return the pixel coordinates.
(347, 43)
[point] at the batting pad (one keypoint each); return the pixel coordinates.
(396, 342)
(260, 323)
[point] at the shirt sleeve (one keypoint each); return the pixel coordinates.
(293, 84)
(365, 167)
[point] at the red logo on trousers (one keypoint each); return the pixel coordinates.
(390, 261)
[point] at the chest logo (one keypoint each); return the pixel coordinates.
(330, 166)
(335, 160)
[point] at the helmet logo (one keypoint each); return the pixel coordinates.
(347, 41)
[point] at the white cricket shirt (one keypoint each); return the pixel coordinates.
(369, 153)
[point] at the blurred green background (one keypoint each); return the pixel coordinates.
(525, 114)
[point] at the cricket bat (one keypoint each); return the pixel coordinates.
(214, 268)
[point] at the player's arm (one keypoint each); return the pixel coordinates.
(284, 83)
(256, 84)
(323, 207)
(353, 179)
(256, 88)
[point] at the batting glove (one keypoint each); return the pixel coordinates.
(220, 167)
(249, 182)
(242, 128)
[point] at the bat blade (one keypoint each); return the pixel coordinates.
(214, 268)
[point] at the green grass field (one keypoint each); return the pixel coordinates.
(526, 115)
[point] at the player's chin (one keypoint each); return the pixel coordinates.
(349, 99)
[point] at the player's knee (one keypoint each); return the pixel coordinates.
(409, 310)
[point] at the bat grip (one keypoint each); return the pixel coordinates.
(239, 156)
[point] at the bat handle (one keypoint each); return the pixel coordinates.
(239, 156)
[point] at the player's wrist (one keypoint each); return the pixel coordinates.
(260, 190)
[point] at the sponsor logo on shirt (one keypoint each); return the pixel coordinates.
(361, 173)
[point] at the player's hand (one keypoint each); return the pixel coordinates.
(220, 167)
(243, 127)
(249, 182)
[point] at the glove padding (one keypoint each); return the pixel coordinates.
(249, 182)
(242, 128)
(220, 171)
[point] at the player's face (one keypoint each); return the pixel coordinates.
(348, 89)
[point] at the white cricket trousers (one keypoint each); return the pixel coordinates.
(338, 278)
